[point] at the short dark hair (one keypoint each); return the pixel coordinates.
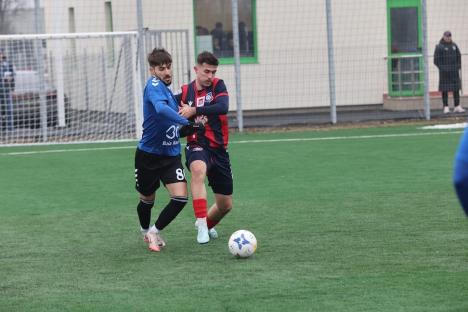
(159, 56)
(208, 58)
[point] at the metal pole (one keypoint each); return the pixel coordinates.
(61, 118)
(235, 34)
(86, 80)
(104, 82)
(141, 43)
(188, 55)
(331, 62)
(427, 99)
(56, 68)
(137, 94)
(40, 70)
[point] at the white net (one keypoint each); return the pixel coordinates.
(78, 87)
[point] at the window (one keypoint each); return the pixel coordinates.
(404, 29)
(213, 29)
(405, 62)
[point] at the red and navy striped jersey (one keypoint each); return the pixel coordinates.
(213, 103)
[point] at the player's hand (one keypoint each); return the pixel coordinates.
(201, 119)
(196, 125)
(191, 128)
(186, 110)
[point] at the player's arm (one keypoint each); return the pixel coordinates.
(221, 105)
(160, 105)
(190, 129)
(163, 109)
(458, 58)
(437, 56)
(178, 98)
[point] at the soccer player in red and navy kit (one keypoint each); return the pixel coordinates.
(157, 158)
(206, 99)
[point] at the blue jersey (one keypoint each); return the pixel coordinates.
(160, 120)
(460, 173)
(462, 152)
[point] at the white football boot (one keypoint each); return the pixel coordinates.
(159, 240)
(203, 237)
(446, 109)
(152, 240)
(212, 233)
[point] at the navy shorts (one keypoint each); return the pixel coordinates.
(150, 169)
(218, 167)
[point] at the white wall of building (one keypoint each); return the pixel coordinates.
(292, 68)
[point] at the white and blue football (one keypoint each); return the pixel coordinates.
(242, 244)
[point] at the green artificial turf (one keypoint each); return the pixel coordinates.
(346, 220)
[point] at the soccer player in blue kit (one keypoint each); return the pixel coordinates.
(460, 175)
(157, 156)
(206, 99)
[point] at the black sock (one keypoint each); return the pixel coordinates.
(144, 213)
(170, 211)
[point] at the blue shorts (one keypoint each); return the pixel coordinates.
(218, 167)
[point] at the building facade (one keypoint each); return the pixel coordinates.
(377, 45)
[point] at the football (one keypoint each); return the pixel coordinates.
(242, 244)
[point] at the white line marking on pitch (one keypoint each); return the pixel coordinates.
(444, 127)
(358, 137)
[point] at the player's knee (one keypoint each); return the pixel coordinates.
(226, 209)
(145, 205)
(225, 205)
(179, 202)
(198, 172)
(197, 169)
(147, 198)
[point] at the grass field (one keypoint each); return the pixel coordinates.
(346, 220)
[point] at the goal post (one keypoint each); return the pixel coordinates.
(90, 83)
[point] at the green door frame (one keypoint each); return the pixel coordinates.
(418, 88)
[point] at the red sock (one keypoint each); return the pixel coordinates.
(211, 223)
(200, 208)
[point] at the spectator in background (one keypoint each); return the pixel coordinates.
(229, 52)
(7, 85)
(447, 58)
(219, 39)
(243, 46)
(202, 31)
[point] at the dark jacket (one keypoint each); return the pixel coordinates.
(6, 70)
(447, 58)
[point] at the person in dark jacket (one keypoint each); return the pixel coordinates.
(7, 85)
(447, 58)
